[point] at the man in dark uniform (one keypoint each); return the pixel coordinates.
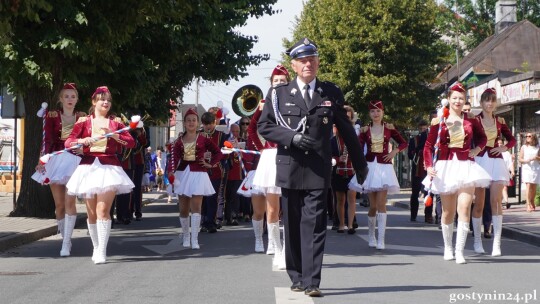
(418, 172)
(298, 116)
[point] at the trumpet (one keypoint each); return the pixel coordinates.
(246, 99)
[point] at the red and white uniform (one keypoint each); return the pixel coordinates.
(264, 180)
(100, 169)
(60, 167)
(381, 174)
(190, 177)
(495, 165)
(455, 169)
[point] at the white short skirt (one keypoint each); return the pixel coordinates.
(530, 175)
(246, 188)
(88, 180)
(265, 176)
(189, 183)
(58, 169)
(495, 167)
(380, 177)
(455, 174)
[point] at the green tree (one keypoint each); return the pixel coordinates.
(377, 49)
(145, 51)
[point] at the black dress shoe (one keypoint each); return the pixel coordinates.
(204, 229)
(212, 229)
(297, 287)
(313, 291)
(351, 231)
(234, 223)
(340, 231)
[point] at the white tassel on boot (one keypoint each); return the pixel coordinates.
(184, 223)
(92, 230)
(258, 231)
(69, 225)
(61, 226)
(103, 231)
(381, 227)
(270, 248)
(497, 231)
(371, 231)
(477, 229)
(448, 233)
(195, 225)
(461, 238)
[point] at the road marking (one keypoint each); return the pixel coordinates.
(438, 249)
(286, 295)
(173, 245)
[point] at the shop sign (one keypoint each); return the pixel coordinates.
(515, 92)
(534, 90)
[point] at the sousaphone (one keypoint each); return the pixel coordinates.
(246, 99)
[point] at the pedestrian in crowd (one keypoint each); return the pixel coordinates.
(143, 142)
(529, 158)
(166, 181)
(190, 178)
(466, 107)
(244, 124)
(160, 167)
(99, 177)
(130, 158)
(509, 161)
(491, 160)
(266, 193)
(381, 179)
(217, 173)
(341, 176)
(455, 175)
(58, 170)
(234, 180)
(146, 180)
(418, 172)
(299, 117)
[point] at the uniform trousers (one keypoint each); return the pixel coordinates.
(136, 198)
(304, 215)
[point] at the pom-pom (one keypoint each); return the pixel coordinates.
(446, 112)
(44, 159)
(135, 119)
(444, 102)
(228, 144)
(46, 181)
(225, 111)
(220, 104)
(171, 178)
(219, 114)
(428, 201)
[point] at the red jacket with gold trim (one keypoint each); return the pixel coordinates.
(202, 145)
(53, 130)
(502, 130)
(389, 132)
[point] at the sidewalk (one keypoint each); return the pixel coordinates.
(15, 231)
(518, 224)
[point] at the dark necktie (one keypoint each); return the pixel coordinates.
(307, 98)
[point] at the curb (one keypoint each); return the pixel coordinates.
(507, 232)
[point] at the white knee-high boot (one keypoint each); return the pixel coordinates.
(381, 227)
(372, 220)
(92, 230)
(184, 223)
(69, 225)
(270, 248)
(282, 263)
(497, 231)
(195, 225)
(61, 226)
(258, 231)
(477, 228)
(103, 231)
(461, 238)
(448, 233)
(273, 229)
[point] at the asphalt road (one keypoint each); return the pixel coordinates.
(147, 264)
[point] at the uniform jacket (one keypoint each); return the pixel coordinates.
(338, 149)
(134, 156)
(202, 145)
(218, 138)
(53, 130)
(474, 134)
(502, 130)
(304, 170)
(389, 132)
(416, 154)
(83, 129)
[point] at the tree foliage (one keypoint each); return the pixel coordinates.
(145, 51)
(377, 49)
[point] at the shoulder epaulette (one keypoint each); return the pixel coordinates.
(501, 120)
(52, 114)
(390, 126)
(435, 121)
(471, 115)
(117, 119)
(82, 119)
(364, 129)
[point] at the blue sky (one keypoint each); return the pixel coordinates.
(270, 30)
